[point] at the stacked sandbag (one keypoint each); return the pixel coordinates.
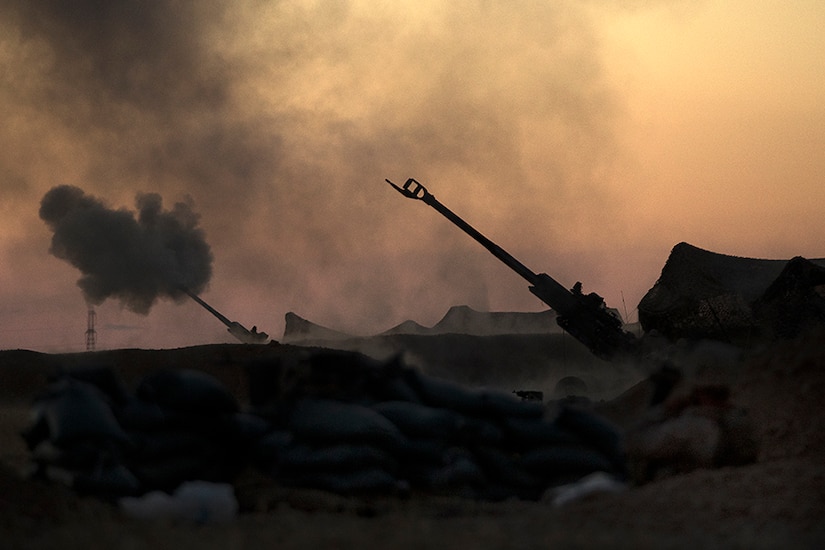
(333, 445)
(330, 420)
(186, 425)
(74, 436)
(404, 430)
(91, 433)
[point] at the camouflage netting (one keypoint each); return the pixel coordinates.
(703, 294)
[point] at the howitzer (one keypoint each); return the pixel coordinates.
(235, 328)
(584, 316)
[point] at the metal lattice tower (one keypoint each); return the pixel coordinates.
(91, 335)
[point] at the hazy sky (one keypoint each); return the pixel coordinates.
(586, 137)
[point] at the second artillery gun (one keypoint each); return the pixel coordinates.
(584, 316)
(234, 328)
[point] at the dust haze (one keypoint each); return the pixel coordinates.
(281, 121)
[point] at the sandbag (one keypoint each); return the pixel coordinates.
(324, 420)
(395, 388)
(416, 420)
(188, 391)
(564, 461)
(78, 411)
(242, 428)
(144, 416)
(169, 472)
(478, 431)
(163, 444)
(421, 451)
(334, 458)
(525, 433)
(593, 430)
(38, 429)
(197, 501)
(137, 414)
(110, 481)
(103, 378)
(445, 394)
(268, 448)
(500, 404)
(504, 471)
(81, 454)
(360, 482)
(460, 472)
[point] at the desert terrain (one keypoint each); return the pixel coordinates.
(776, 502)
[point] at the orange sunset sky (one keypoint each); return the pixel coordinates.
(585, 137)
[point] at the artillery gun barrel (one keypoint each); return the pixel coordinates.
(208, 308)
(495, 249)
(235, 329)
(584, 317)
(545, 287)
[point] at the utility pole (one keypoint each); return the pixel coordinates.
(91, 335)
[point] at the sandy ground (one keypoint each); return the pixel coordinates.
(777, 502)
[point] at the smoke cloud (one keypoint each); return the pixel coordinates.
(137, 260)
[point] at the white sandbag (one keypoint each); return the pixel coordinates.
(196, 501)
(589, 485)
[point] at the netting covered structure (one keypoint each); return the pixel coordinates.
(704, 294)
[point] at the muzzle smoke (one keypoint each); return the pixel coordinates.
(136, 260)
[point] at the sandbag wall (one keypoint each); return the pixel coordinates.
(347, 423)
(89, 432)
(337, 421)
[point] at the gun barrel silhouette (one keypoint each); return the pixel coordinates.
(584, 316)
(235, 329)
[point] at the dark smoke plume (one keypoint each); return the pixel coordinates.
(136, 260)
